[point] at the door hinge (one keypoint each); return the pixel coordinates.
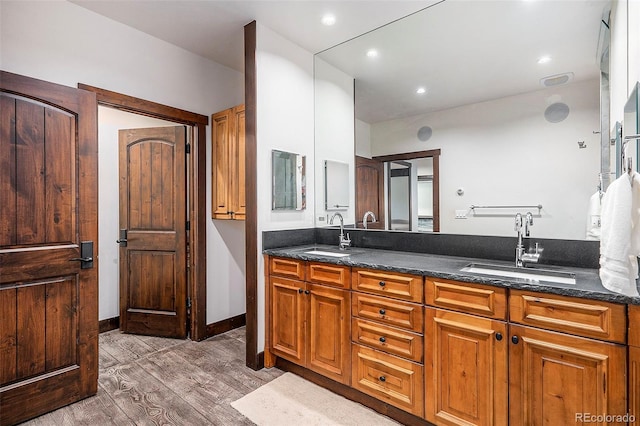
(188, 302)
(188, 148)
(188, 226)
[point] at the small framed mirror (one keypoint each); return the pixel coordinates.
(289, 181)
(336, 185)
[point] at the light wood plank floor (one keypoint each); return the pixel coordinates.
(155, 381)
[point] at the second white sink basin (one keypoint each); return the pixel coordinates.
(327, 253)
(544, 275)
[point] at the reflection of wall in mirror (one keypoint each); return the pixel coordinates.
(334, 138)
(505, 152)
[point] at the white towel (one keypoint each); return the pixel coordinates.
(593, 217)
(618, 265)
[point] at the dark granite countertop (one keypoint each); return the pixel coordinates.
(588, 284)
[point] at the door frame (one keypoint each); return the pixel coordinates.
(432, 153)
(196, 187)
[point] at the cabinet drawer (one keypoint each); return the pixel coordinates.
(388, 311)
(393, 380)
(333, 275)
(400, 286)
(470, 298)
(287, 267)
(634, 325)
(583, 317)
(388, 339)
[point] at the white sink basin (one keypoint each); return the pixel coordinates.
(543, 275)
(327, 253)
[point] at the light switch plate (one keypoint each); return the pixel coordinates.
(461, 214)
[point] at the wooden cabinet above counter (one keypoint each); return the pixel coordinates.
(228, 164)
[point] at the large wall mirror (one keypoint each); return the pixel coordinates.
(507, 92)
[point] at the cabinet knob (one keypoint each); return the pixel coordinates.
(382, 379)
(498, 336)
(307, 292)
(300, 290)
(382, 340)
(382, 311)
(515, 340)
(382, 283)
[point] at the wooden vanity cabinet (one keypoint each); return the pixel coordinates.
(554, 375)
(387, 335)
(310, 322)
(634, 362)
(228, 164)
(466, 356)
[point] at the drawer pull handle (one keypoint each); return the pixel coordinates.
(382, 379)
(382, 283)
(382, 340)
(307, 292)
(515, 340)
(382, 312)
(498, 336)
(300, 290)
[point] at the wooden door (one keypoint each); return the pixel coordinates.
(369, 191)
(238, 203)
(555, 377)
(329, 334)
(466, 376)
(153, 264)
(48, 206)
(288, 319)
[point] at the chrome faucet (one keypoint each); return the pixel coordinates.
(364, 218)
(523, 257)
(519, 246)
(344, 242)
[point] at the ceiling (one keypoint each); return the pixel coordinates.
(461, 51)
(214, 28)
(465, 52)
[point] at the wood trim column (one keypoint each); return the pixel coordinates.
(253, 359)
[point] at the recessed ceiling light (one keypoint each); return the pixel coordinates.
(544, 59)
(328, 19)
(421, 90)
(372, 53)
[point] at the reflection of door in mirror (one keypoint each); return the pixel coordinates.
(369, 192)
(418, 193)
(399, 173)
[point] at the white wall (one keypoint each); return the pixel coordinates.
(363, 139)
(66, 44)
(495, 151)
(285, 123)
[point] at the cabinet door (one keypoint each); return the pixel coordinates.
(634, 382)
(329, 332)
(221, 123)
(466, 369)
(558, 379)
(288, 319)
(237, 202)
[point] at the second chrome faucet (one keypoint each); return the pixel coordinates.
(523, 257)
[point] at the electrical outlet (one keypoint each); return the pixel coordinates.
(595, 221)
(320, 218)
(461, 214)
